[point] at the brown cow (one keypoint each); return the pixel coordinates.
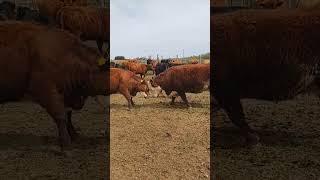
(253, 59)
(126, 83)
(51, 66)
(190, 78)
(48, 8)
(88, 23)
(136, 68)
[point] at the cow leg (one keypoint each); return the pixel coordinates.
(72, 132)
(127, 95)
(53, 102)
(100, 44)
(235, 112)
(132, 102)
(184, 98)
(100, 102)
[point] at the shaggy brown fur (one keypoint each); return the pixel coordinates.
(50, 65)
(88, 23)
(264, 54)
(48, 8)
(190, 78)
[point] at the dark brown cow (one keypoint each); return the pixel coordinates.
(126, 83)
(190, 78)
(88, 23)
(264, 54)
(48, 8)
(51, 66)
(136, 68)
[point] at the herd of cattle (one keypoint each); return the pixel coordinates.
(46, 61)
(86, 22)
(152, 65)
(262, 54)
(270, 54)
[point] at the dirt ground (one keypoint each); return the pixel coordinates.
(159, 141)
(290, 141)
(29, 145)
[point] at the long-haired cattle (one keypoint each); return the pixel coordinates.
(51, 66)
(88, 23)
(190, 78)
(48, 8)
(265, 54)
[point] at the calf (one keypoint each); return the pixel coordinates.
(190, 78)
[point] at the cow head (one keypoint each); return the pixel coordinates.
(144, 88)
(154, 91)
(139, 85)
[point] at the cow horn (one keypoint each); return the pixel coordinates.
(142, 81)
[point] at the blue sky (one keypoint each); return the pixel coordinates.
(164, 27)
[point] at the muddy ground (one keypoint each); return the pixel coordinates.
(29, 145)
(290, 141)
(159, 141)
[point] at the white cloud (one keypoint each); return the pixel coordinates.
(166, 27)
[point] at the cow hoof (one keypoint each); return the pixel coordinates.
(129, 109)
